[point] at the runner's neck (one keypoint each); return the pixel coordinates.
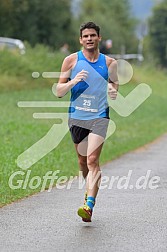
(91, 56)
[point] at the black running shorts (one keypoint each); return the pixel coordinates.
(80, 129)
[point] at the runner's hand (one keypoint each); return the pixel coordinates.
(80, 77)
(112, 92)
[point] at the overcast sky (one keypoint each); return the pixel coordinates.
(141, 9)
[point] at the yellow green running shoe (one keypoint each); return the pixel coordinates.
(85, 213)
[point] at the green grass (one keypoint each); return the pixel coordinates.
(147, 122)
(16, 69)
(19, 130)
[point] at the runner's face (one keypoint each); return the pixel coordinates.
(90, 39)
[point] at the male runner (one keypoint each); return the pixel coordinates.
(88, 74)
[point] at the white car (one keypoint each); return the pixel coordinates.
(12, 44)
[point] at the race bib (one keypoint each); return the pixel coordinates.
(87, 103)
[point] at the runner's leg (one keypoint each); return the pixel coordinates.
(82, 162)
(95, 144)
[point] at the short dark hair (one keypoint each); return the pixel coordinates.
(89, 25)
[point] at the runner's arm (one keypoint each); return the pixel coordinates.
(113, 76)
(113, 83)
(64, 84)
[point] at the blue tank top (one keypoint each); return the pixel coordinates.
(89, 97)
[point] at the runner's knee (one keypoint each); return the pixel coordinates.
(92, 161)
(82, 161)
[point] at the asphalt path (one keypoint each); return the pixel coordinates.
(130, 213)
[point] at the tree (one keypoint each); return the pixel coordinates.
(6, 18)
(37, 21)
(158, 33)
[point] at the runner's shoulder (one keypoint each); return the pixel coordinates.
(71, 59)
(110, 61)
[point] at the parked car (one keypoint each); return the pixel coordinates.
(12, 44)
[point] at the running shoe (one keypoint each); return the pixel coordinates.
(85, 213)
(85, 200)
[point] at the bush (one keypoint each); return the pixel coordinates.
(16, 70)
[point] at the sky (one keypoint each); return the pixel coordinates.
(141, 9)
